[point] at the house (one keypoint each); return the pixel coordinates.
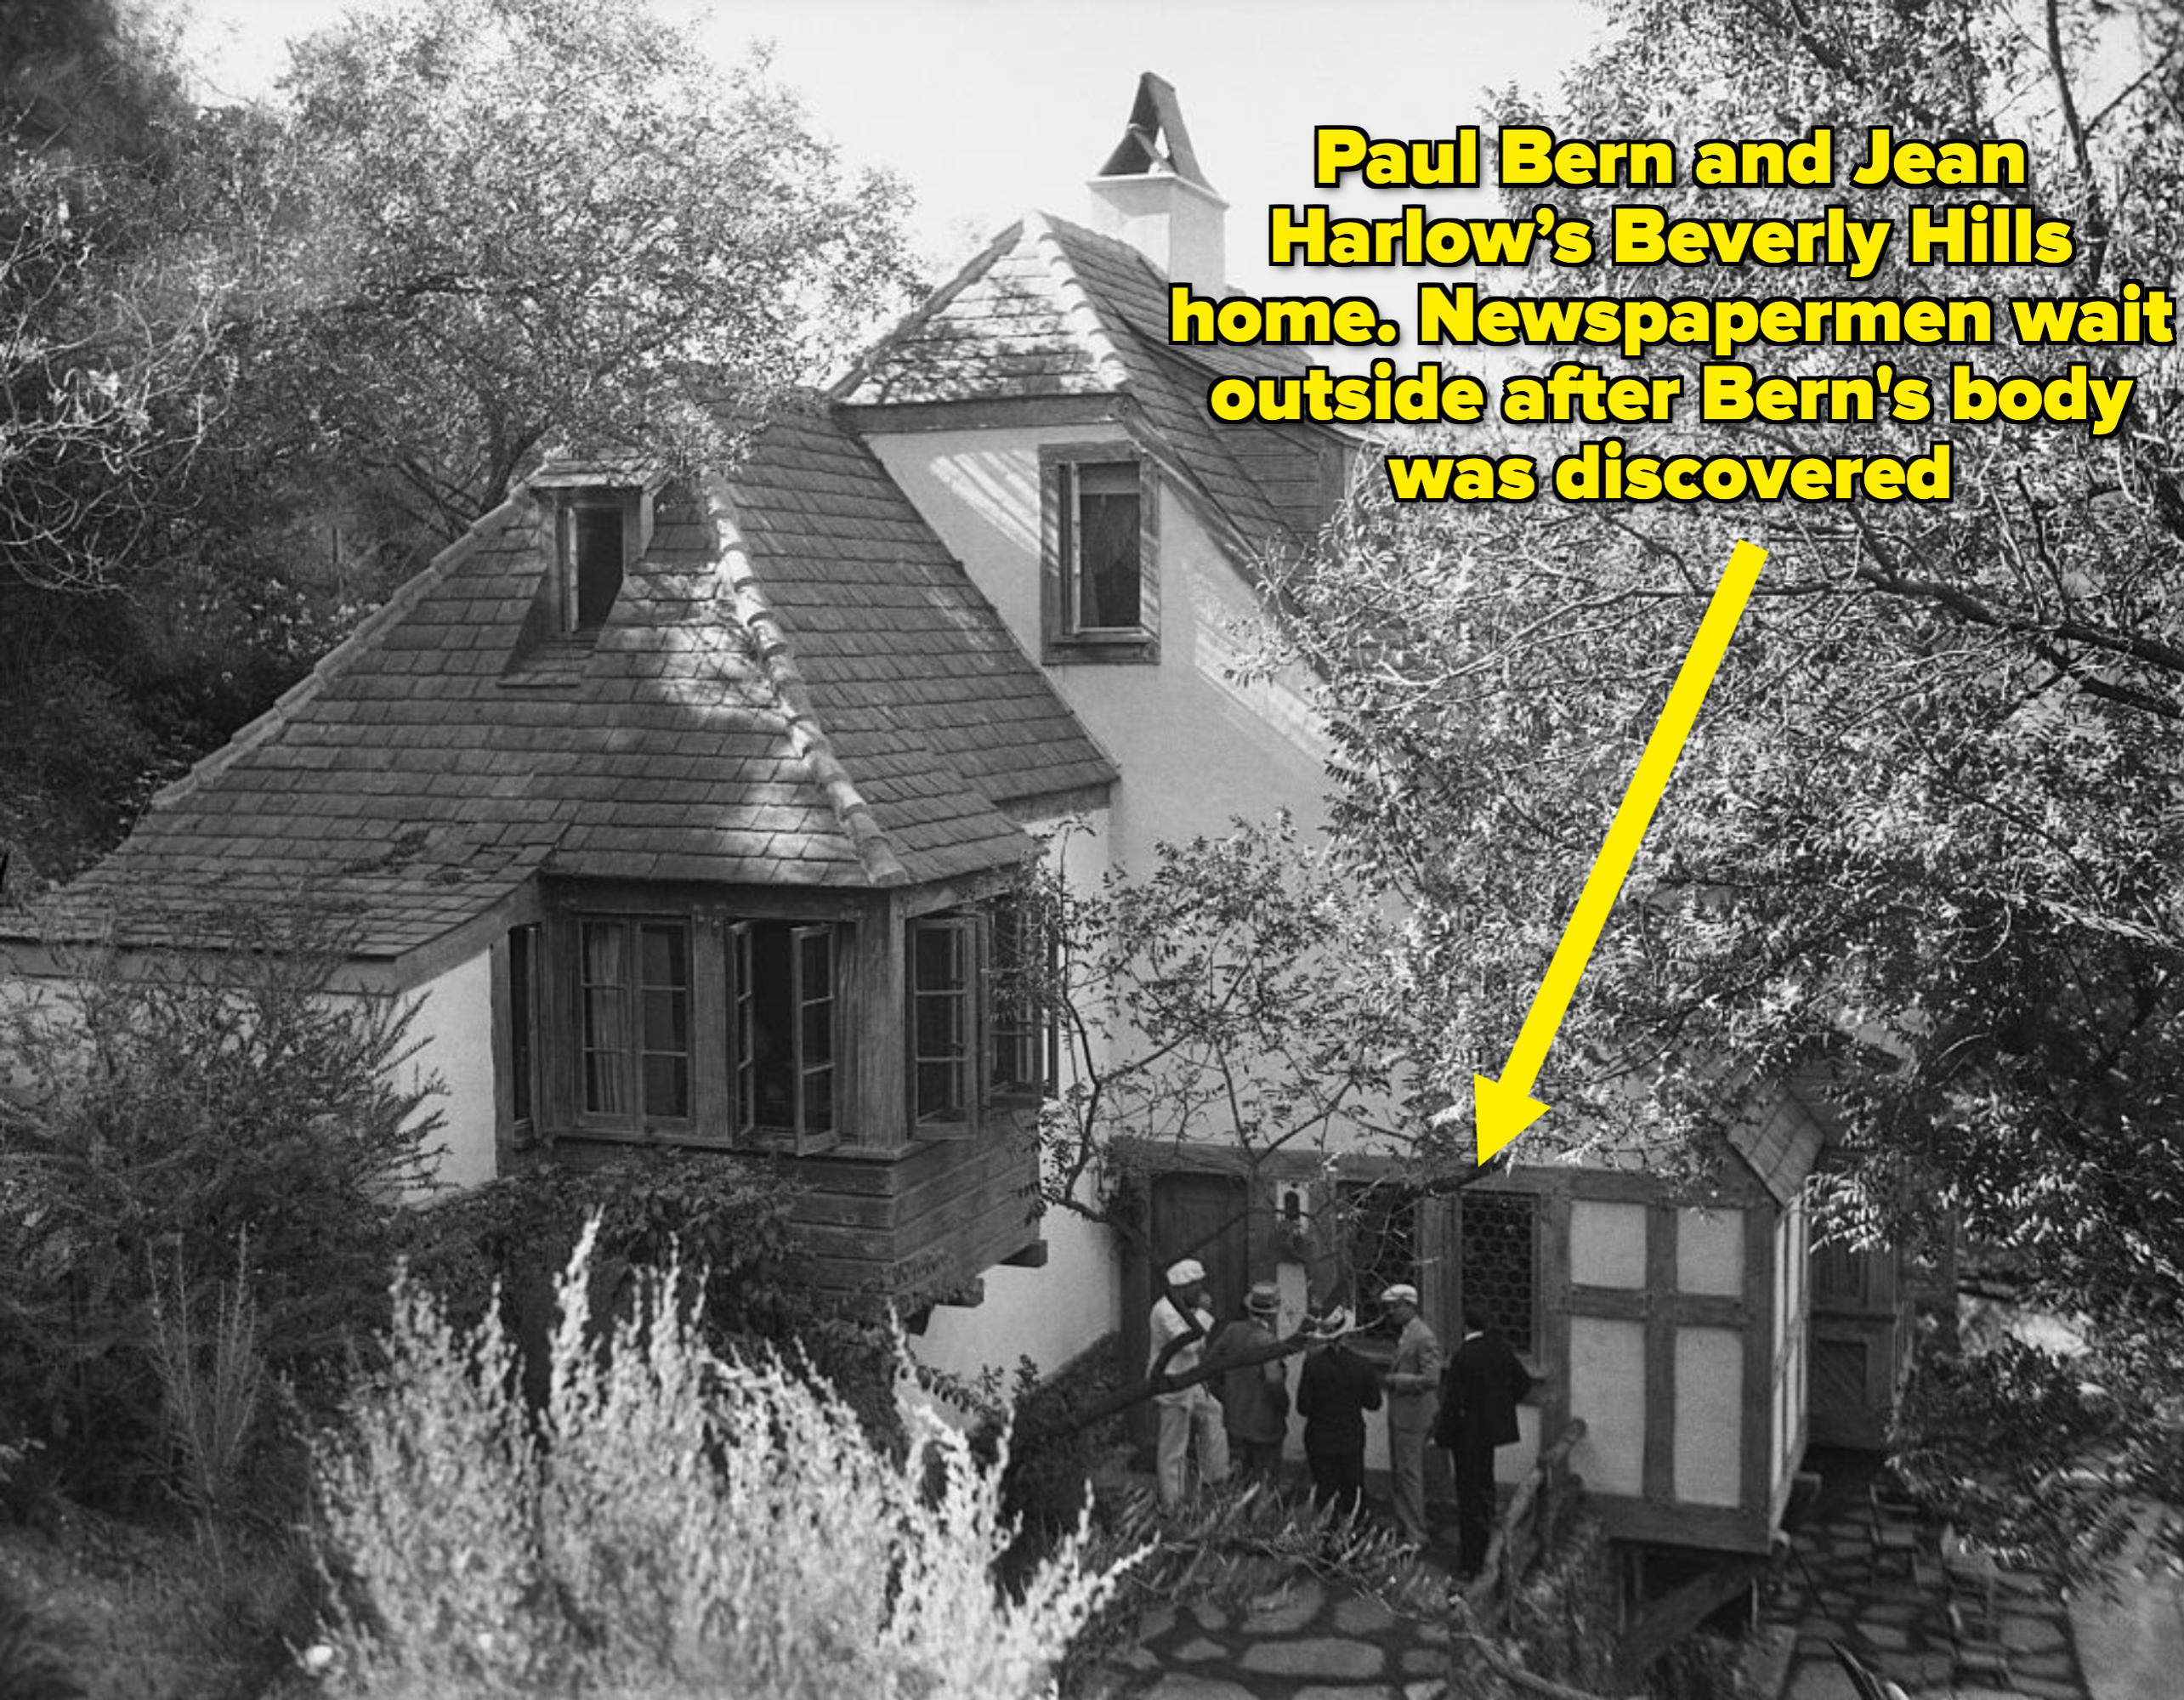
(691, 815)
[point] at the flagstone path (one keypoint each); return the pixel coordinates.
(1306, 1641)
(1893, 1614)
(1302, 1641)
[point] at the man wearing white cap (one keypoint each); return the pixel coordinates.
(1413, 1380)
(1183, 1316)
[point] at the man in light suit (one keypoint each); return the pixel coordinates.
(1413, 1382)
(1182, 1315)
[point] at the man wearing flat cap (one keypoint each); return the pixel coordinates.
(1254, 1396)
(1413, 1382)
(1182, 1315)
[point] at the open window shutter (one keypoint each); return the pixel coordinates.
(812, 975)
(945, 1067)
(743, 1033)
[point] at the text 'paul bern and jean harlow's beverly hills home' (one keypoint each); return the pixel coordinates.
(691, 813)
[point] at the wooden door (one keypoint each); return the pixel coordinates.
(1205, 1216)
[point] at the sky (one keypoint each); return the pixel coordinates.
(987, 108)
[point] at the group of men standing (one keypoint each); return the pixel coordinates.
(1467, 1403)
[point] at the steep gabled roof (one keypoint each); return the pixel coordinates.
(796, 686)
(1051, 310)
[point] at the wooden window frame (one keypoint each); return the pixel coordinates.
(961, 1118)
(1370, 1276)
(1067, 640)
(1023, 1024)
(526, 1105)
(625, 504)
(634, 1048)
(804, 1133)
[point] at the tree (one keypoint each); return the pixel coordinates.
(257, 366)
(133, 615)
(1921, 843)
(514, 224)
(1246, 992)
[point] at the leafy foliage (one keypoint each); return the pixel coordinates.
(1242, 990)
(165, 1109)
(1917, 854)
(525, 222)
(682, 1524)
(257, 366)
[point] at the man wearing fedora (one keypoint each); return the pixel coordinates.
(1182, 1317)
(1334, 1390)
(1254, 1396)
(1413, 1382)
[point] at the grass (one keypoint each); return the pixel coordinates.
(129, 1612)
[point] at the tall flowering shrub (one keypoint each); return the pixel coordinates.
(674, 1523)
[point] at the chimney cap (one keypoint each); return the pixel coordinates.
(1155, 139)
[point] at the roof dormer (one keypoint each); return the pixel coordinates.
(600, 523)
(1152, 194)
(595, 523)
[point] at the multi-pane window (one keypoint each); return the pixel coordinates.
(1497, 1262)
(943, 957)
(1382, 1223)
(634, 1016)
(1023, 1055)
(783, 1028)
(1102, 558)
(1101, 585)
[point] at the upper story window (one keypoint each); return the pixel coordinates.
(596, 528)
(1101, 597)
(594, 548)
(598, 523)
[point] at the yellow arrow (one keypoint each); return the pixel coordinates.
(1502, 1109)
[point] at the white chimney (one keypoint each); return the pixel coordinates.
(1152, 195)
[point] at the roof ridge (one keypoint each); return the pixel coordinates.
(738, 579)
(337, 660)
(968, 273)
(1079, 310)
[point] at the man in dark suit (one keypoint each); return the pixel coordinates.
(1334, 1390)
(1479, 1392)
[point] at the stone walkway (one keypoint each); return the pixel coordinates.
(1303, 1641)
(1894, 1614)
(1306, 1641)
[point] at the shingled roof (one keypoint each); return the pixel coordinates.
(796, 686)
(1050, 309)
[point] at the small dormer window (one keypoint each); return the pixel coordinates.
(595, 538)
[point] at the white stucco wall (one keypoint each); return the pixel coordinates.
(455, 1025)
(1196, 748)
(1049, 1314)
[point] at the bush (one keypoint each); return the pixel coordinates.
(695, 1211)
(33, 1665)
(677, 1524)
(163, 1106)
